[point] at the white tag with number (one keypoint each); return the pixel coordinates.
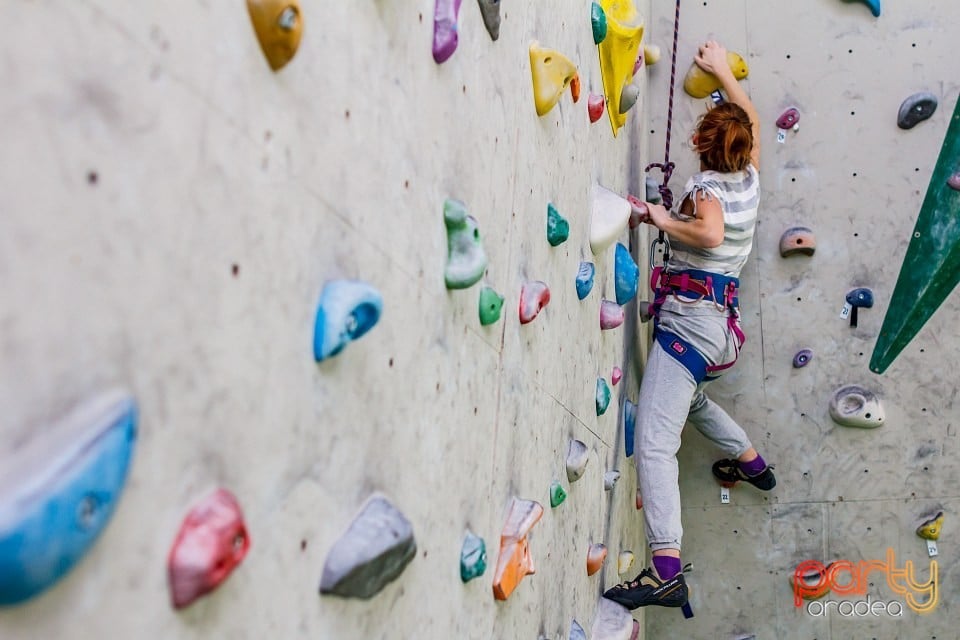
(781, 136)
(724, 495)
(845, 312)
(932, 548)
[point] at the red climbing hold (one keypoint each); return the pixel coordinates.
(595, 107)
(212, 541)
(534, 296)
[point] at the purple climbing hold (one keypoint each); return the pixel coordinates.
(954, 181)
(916, 109)
(789, 119)
(802, 358)
(445, 38)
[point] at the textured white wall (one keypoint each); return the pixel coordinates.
(843, 493)
(338, 166)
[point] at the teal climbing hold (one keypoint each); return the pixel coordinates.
(558, 229)
(585, 276)
(348, 309)
(931, 267)
(603, 396)
(626, 275)
(874, 7)
(557, 494)
(599, 21)
(473, 557)
(466, 259)
(491, 303)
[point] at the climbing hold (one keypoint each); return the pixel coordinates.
(557, 494)
(552, 72)
(616, 375)
(954, 181)
(612, 622)
(856, 299)
(211, 543)
(624, 561)
(873, 4)
(445, 38)
(629, 426)
(930, 529)
(651, 54)
(594, 107)
(534, 296)
(57, 493)
(854, 406)
(643, 309)
(577, 458)
(603, 396)
(788, 119)
(797, 241)
(473, 557)
(916, 109)
(490, 10)
(609, 214)
(599, 21)
(610, 479)
(585, 279)
(626, 275)
(575, 89)
(931, 268)
(347, 310)
(638, 500)
(652, 188)
(372, 552)
(596, 554)
(611, 315)
(466, 259)
(628, 97)
(515, 560)
(490, 304)
(577, 632)
(802, 358)
(618, 53)
(638, 212)
(701, 84)
(636, 66)
(558, 229)
(811, 583)
(278, 26)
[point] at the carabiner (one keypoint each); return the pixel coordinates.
(653, 251)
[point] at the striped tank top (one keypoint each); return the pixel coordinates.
(739, 195)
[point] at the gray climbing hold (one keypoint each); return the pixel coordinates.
(797, 241)
(490, 10)
(577, 632)
(653, 191)
(916, 109)
(628, 97)
(854, 406)
(372, 552)
(644, 311)
(610, 479)
(577, 457)
(613, 622)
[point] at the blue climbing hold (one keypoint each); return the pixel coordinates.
(629, 426)
(58, 493)
(626, 275)
(348, 309)
(874, 7)
(585, 279)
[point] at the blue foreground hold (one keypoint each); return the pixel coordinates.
(348, 309)
(629, 427)
(626, 275)
(58, 493)
(585, 279)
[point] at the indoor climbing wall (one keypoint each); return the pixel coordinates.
(857, 182)
(240, 217)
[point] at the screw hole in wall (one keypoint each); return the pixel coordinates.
(235, 269)
(788, 56)
(92, 177)
(856, 234)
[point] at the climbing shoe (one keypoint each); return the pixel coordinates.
(647, 589)
(729, 473)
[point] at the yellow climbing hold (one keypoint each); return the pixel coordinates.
(552, 73)
(618, 54)
(930, 530)
(701, 84)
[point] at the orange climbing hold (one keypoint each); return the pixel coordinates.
(595, 557)
(279, 26)
(515, 561)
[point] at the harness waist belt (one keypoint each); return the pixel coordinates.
(693, 283)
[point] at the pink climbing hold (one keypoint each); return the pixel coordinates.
(212, 541)
(534, 296)
(954, 181)
(611, 315)
(594, 107)
(638, 212)
(638, 63)
(616, 375)
(445, 38)
(789, 119)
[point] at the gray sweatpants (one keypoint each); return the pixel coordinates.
(669, 397)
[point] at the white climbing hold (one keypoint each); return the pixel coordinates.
(577, 457)
(854, 406)
(610, 479)
(613, 622)
(625, 561)
(609, 214)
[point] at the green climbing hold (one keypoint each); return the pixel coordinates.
(466, 259)
(931, 268)
(603, 396)
(558, 229)
(599, 20)
(490, 304)
(557, 494)
(473, 557)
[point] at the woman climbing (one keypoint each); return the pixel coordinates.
(697, 332)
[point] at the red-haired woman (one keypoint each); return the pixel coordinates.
(697, 334)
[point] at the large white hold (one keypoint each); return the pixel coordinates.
(609, 214)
